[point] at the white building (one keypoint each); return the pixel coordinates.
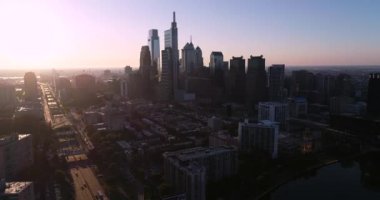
(274, 111)
(260, 136)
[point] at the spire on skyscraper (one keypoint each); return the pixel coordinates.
(174, 16)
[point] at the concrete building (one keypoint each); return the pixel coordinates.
(276, 82)
(85, 83)
(7, 96)
(222, 138)
(16, 190)
(215, 123)
(274, 111)
(188, 170)
(261, 136)
(373, 102)
(297, 106)
(30, 86)
(16, 154)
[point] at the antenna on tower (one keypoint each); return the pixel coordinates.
(174, 16)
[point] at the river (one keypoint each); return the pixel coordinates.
(356, 179)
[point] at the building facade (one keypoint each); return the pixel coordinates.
(16, 154)
(237, 79)
(256, 81)
(188, 170)
(154, 48)
(276, 82)
(373, 102)
(30, 86)
(261, 136)
(274, 111)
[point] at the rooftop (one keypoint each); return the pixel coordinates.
(197, 152)
(16, 187)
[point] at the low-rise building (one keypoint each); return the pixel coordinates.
(16, 190)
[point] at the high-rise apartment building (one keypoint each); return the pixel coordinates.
(256, 81)
(259, 136)
(7, 96)
(274, 111)
(276, 82)
(189, 169)
(30, 86)
(373, 102)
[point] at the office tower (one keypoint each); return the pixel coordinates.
(145, 72)
(256, 81)
(16, 190)
(237, 79)
(127, 70)
(216, 62)
(261, 136)
(209, 164)
(30, 86)
(188, 59)
(85, 83)
(124, 87)
(171, 41)
(373, 102)
(7, 96)
(166, 83)
(274, 111)
(154, 48)
(276, 82)
(198, 58)
(15, 154)
(302, 83)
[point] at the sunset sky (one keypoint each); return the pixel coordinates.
(110, 33)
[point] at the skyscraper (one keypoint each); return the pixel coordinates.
(188, 59)
(30, 86)
(7, 96)
(237, 79)
(276, 82)
(216, 61)
(373, 102)
(198, 58)
(154, 48)
(145, 72)
(256, 80)
(171, 41)
(170, 63)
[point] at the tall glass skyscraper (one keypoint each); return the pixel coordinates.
(154, 48)
(171, 41)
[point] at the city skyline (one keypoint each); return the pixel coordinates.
(90, 34)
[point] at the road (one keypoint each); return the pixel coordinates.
(85, 181)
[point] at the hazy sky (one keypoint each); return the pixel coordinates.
(109, 33)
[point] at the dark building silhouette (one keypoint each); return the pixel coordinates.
(237, 79)
(188, 59)
(166, 85)
(302, 82)
(154, 48)
(198, 58)
(85, 83)
(256, 81)
(276, 82)
(373, 102)
(30, 86)
(217, 70)
(145, 71)
(171, 41)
